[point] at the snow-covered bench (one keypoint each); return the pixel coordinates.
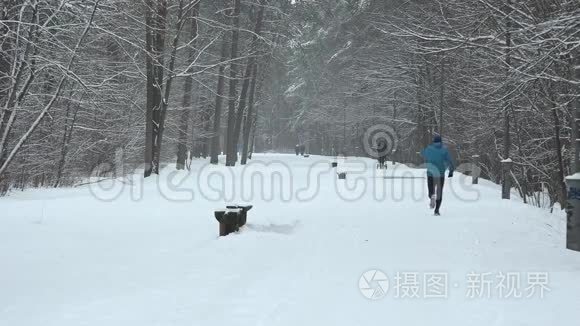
(232, 218)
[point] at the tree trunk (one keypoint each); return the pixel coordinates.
(576, 116)
(206, 127)
(251, 147)
(248, 74)
(153, 91)
(215, 142)
(507, 106)
(167, 85)
(558, 150)
(249, 121)
(524, 188)
(230, 149)
(187, 95)
(67, 135)
(441, 95)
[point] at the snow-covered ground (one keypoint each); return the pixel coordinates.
(147, 253)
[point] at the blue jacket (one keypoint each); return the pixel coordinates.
(438, 160)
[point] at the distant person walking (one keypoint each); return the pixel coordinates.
(438, 160)
(381, 153)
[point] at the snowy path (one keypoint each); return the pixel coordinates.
(68, 258)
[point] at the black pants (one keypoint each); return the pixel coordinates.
(436, 182)
(382, 160)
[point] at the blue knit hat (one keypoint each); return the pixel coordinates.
(437, 139)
